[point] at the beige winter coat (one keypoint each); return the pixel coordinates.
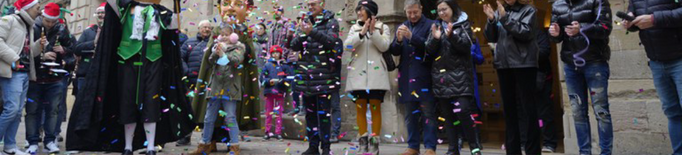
(367, 69)
(12, 35)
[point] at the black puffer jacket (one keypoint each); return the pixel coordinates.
(192, 53)
(516, 45)
(316, 72)
(452, 72)
(584, 12)
(663, 41)
(85, 49)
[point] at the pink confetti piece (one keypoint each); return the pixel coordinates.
(540, 122)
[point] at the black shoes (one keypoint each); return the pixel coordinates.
(127, 152)
(311, 151)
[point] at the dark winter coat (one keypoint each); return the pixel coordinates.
(414, 71)
(585, 12)
(279, 71)
(452, 70)
(86, 50)
(513, 33)
(663, 41)
(192, 53)
(317, 72)
(59, 33)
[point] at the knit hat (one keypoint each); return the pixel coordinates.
(25, 4)
(101, 6)
(370, 5)
(51, 11)
(275, 48)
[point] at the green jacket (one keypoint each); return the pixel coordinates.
(247, 108)
(226, 82)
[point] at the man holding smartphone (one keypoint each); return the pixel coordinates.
(660, 25)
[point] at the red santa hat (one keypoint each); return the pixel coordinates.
(25, 4)
(101, 6)
(275, 48)
(51, 11)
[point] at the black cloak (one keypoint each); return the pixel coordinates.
(94, 125)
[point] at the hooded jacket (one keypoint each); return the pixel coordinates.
(513, 33)
(452, 71)
(58, 34)
(11, 27)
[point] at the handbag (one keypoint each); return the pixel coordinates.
(388, 57)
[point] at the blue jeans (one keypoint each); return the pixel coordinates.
(42, 98)
(230, 112)
(595, 78)
(336, 113)
(667, 79)
(13, 96)
(62, 105)
(421, 117)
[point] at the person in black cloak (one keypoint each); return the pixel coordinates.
(124, 86)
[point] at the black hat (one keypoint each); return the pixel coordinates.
(369, 5)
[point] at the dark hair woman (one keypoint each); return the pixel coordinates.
(516, 61)
(452, 73)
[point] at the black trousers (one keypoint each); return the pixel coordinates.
(545, 110)
(318, 120)
(139, 84)
(518, 87)
(458, 117)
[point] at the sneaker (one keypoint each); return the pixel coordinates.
(32, 149)
(60, 138)
(14, 152)
(279, 138)
(334, 139)
(52, 147)
(548, 149)
(266, 137)
(311, 151)
(374, 145)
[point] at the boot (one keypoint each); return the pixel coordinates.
(326, 151)
(410, 152)
(234, 149)
(374, 145)
(213, 147)
(364, 143)
(311, 151)
(201, 149)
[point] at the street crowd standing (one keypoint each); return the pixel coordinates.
(213, 81)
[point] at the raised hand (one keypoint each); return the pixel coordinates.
(554, 30)
(435, 31)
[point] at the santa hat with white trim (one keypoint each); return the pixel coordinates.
(25, 4)
(101, 6)
(51, 11)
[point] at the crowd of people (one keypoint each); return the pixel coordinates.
(133, 67)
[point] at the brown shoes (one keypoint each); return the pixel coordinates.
(202, 149)
(213, 147)
(235, 149)
(410, 152)
(430, 152)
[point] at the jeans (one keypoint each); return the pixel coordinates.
(595, 78)
(42, 98)
(273, 106)
(517, 88)
(318, 121)
(62, 105)
(81, 83)
(667, 77)
(336, 114)
(14, 96)
(421, 117)
(212, 112)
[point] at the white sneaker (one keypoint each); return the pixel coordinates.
(32, 149)
(13, 152)
(52, 147)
